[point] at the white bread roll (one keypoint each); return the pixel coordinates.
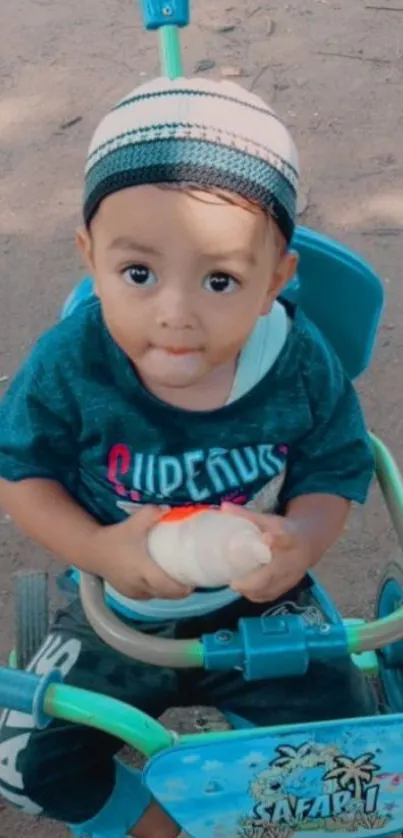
(206, 548)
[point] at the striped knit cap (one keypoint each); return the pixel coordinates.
(199, 132)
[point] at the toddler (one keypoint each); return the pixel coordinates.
(184, 378)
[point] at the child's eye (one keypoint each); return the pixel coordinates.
(139, 275)
(220, 283)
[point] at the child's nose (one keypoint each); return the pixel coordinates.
(175, 310)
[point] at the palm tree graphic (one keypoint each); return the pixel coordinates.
(353, 774)
(291, 758)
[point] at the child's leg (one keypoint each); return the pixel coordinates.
(68, 772)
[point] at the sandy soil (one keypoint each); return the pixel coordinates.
(334, 70)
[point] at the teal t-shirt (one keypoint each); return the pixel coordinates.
(77, 413)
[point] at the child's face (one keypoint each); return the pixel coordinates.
(182, 277)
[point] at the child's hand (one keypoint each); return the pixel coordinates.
(291, 557)
(121, 558)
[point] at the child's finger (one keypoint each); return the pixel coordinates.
(274, 527)
(279, 539)
(140, 594)
(163, 586)
(255, 585)
(145, 518)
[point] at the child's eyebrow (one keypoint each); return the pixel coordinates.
(127, 243)
(245, 255)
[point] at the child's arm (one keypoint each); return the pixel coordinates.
(319, 520)
(40, 426)
(118, 553)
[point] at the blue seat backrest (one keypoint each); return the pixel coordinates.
(341, 293)
(336, 289)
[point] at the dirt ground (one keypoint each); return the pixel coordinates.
(332, 68)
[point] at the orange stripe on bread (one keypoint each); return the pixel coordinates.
(181, 513)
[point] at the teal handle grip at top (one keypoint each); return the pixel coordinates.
(159, 13)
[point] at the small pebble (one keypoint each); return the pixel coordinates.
(269, 25)
(281, 85)
(70, 123)
(221, 28)
(204, 65)
(231, 72)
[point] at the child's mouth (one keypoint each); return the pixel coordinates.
(177, 360)
(178, 350)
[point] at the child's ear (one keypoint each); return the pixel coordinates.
(84, 247)
(283, 274)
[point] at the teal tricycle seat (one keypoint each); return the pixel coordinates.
(341, 294)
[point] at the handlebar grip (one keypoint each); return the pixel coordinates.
(18, 690)
(26, 692)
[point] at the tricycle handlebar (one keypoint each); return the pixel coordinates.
(45, 698)
(142, 647)
(262, 647)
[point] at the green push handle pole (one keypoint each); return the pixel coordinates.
(170, 52)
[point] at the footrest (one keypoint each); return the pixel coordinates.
(338, 777)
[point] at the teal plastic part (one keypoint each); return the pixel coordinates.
(170, 52)
(341, 293)
(159, 14)
(332, 778)
(124, 808)
(367, 662)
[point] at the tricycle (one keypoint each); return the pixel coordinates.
(329, 777)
